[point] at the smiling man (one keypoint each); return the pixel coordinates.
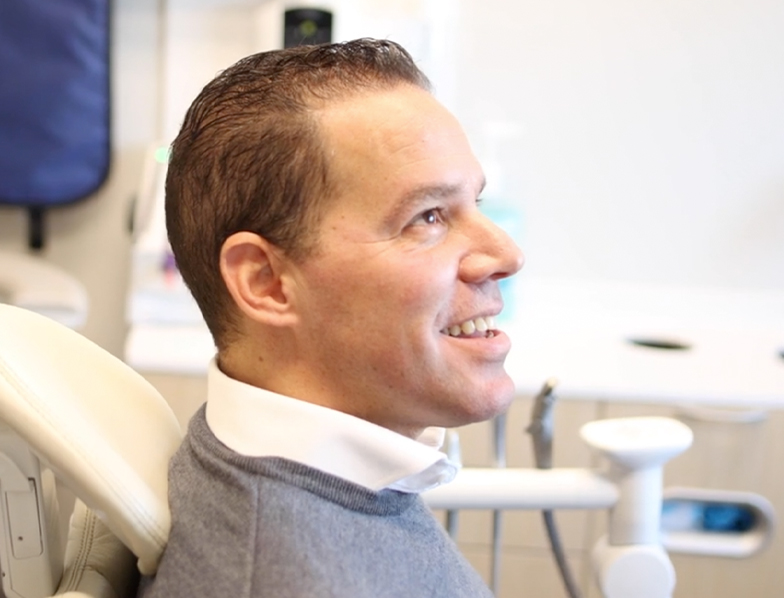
(323, 210)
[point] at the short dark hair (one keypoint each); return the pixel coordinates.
(249, 157)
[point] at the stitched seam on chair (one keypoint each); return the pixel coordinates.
(141, 514)
(76, 571)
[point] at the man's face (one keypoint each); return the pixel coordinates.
(404, 258)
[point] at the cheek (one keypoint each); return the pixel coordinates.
(427, 293)
(395, 294)
(353, 306)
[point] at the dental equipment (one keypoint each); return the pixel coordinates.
(499, 450)
(33, 283)
(630, 561)
(541, 431)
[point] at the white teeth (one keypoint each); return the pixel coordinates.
(470, 326)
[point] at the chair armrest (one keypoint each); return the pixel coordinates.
(97, 564)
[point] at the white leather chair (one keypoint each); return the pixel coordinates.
(71, 412)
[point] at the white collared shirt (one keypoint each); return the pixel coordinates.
(258, 423)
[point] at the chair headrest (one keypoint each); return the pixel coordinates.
(103, 429)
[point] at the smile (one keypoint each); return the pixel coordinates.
(475, 328)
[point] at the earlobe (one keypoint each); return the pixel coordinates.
(251, 270)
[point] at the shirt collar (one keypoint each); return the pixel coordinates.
(259, 423)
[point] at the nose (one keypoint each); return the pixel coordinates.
(493, 254)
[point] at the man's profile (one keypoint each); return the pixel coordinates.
(323, 209)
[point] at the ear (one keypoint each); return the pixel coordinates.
(252, 271)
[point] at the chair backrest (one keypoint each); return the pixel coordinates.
(101, 428)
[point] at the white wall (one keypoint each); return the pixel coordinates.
(645, 139)
(650, 141)
(642, 142)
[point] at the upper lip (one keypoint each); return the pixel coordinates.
(485, 314)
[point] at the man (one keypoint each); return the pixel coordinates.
(323, 209)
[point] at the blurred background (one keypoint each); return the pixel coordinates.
(639, 142)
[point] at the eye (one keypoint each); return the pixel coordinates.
(430, 217)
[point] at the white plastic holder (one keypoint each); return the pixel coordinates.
(641, 571)
(31, 555)
(631, 558)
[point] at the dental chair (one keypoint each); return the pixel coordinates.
(77, 422)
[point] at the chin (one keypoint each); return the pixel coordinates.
(495, 408)
(483, 406)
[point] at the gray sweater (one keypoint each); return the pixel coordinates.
(250, 527)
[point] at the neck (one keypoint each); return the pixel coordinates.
(293, 379)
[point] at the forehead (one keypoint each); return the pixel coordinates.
(387, 144)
